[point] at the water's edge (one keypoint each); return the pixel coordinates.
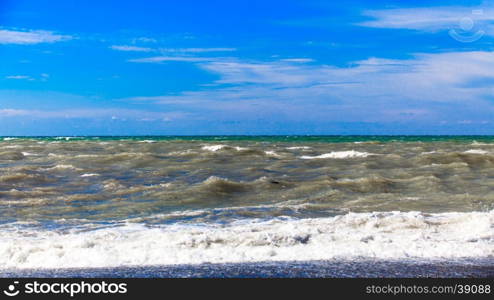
(480, 268)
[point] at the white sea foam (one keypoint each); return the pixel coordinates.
(89, 175)
(476, 151)
(28, 154)
(213, 148)
(390, 235)
(339, 155)
(299, 148)
(10, 139)
(241, 148)
(11, 147)
(272, 153)
(429, 152)
(475, 143)
(67, 138)
(86, 155)
(63, 167)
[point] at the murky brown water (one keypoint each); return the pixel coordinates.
(154, 181)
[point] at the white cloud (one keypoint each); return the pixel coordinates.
(42, 77)
(429, 19)
(197, 50)
(144, 40)
(113, 114)
(131, 48)
(128, 48)
(300, 60)
(429, 87)
(179, 54)
(30, 37)
(9, 112)
(160, 59)
(18, 77)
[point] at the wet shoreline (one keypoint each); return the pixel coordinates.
(310, 269)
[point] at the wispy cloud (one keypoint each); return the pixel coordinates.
(18, 77)
(144, 40)
(9, 112)
(131, 48)
(429, 87)
(428, 18)
(111, 114)
(44, 76)
(28, 37)
(197, 50)
(299, 60)
(41, 77)
(161, 59)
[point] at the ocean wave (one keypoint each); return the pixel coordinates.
(218, 185)
(367, 142)
(475, 143)
(213, 148)
(187, 152)
(272, 153)
(387, 235)
(67, 138)
(89, 175)
(299, 148)
(429, 152)
(12, 147)
(28, 154)
(365, 185)
(339, 155)
(63, 167)
(473, 157)
(236, 149)
(476, 151)
(11, 155)
(24, 178)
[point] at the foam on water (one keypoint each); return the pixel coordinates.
(63, 167)
(234, 200)
(476, 151)
(390, 235)
(272, 153)
(89, 175)
(298, 148)
(213, 148)
(339, 155)
(28, 154)
(67, 138)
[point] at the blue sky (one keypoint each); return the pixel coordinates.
(246, 67)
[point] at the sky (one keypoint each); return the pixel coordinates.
(246, 67)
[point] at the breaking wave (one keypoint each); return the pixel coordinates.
(391, 235)
(339, 155)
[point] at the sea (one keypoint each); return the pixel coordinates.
(91, 202)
